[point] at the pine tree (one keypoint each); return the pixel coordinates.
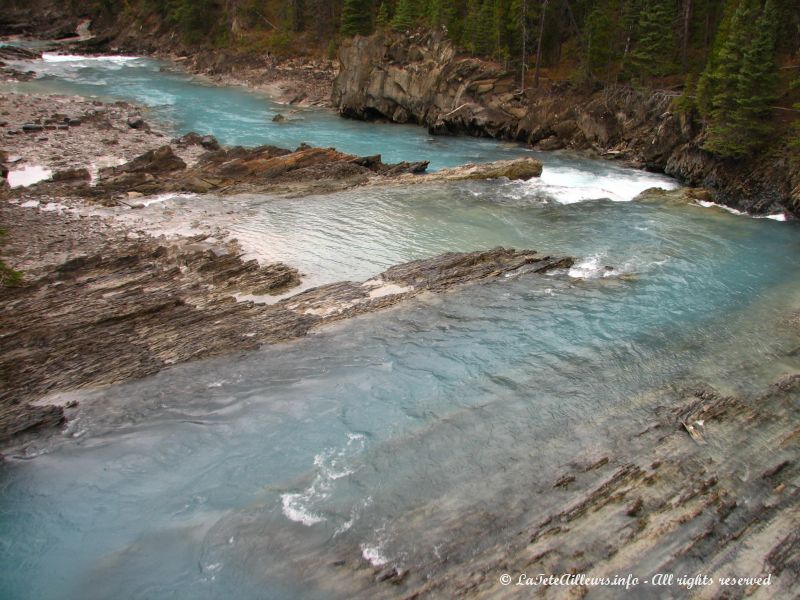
(717, 85)
(356, 18)
(484, 30)
(599, 30)
(439, 12)
(655, 47)
(502, 21)
(404, 16)
(471, 25)
(629, 19)
(742, 106)
(382, 20)
(758, 79)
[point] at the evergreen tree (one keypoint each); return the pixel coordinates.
(742, 107)
(383, 16)
(717, 85)
(629, 19)
(522, 22)
(599, 34)
(439, 12)
(484, 30)
(758, 76)
(502, 20)
(471, 25)
(685, 103)
(655, 46)
(356, 18)
(404, 17)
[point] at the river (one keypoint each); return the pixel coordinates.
(379, 439)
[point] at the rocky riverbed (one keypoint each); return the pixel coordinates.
(656, 492)
(99, 304)
(655, 487)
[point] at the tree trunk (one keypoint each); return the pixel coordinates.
(539, 45)
(524, 44)
(297, 9)
(687, 21)
(232, 10)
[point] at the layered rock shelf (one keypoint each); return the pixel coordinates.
(122, 309)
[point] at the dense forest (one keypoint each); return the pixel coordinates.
(735, 61)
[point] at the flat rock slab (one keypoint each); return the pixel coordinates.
(135, 307)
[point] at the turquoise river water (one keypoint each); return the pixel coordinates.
(377, 438)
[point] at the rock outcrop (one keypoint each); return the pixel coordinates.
(267, 169)
(420, 79)
(521, 169)
(125, 308)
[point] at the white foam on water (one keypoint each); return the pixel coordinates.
(164, 198)
(51, 57)
(374, 555)
(590, 268)
(774, 217)
(294, 508)
(330, 465)
(707, 204)
(569, 185)
(30, 204)
(28, 176)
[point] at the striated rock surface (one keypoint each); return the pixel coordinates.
(118, 309)
(660, 494)
(420, 79)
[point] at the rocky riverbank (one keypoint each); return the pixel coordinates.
(99, 304)
(658, 490)
(111, 154)
(421, 79)
(98, 307)
(67, 133)
(655, 488)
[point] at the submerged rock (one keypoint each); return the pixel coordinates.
(643, 497)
